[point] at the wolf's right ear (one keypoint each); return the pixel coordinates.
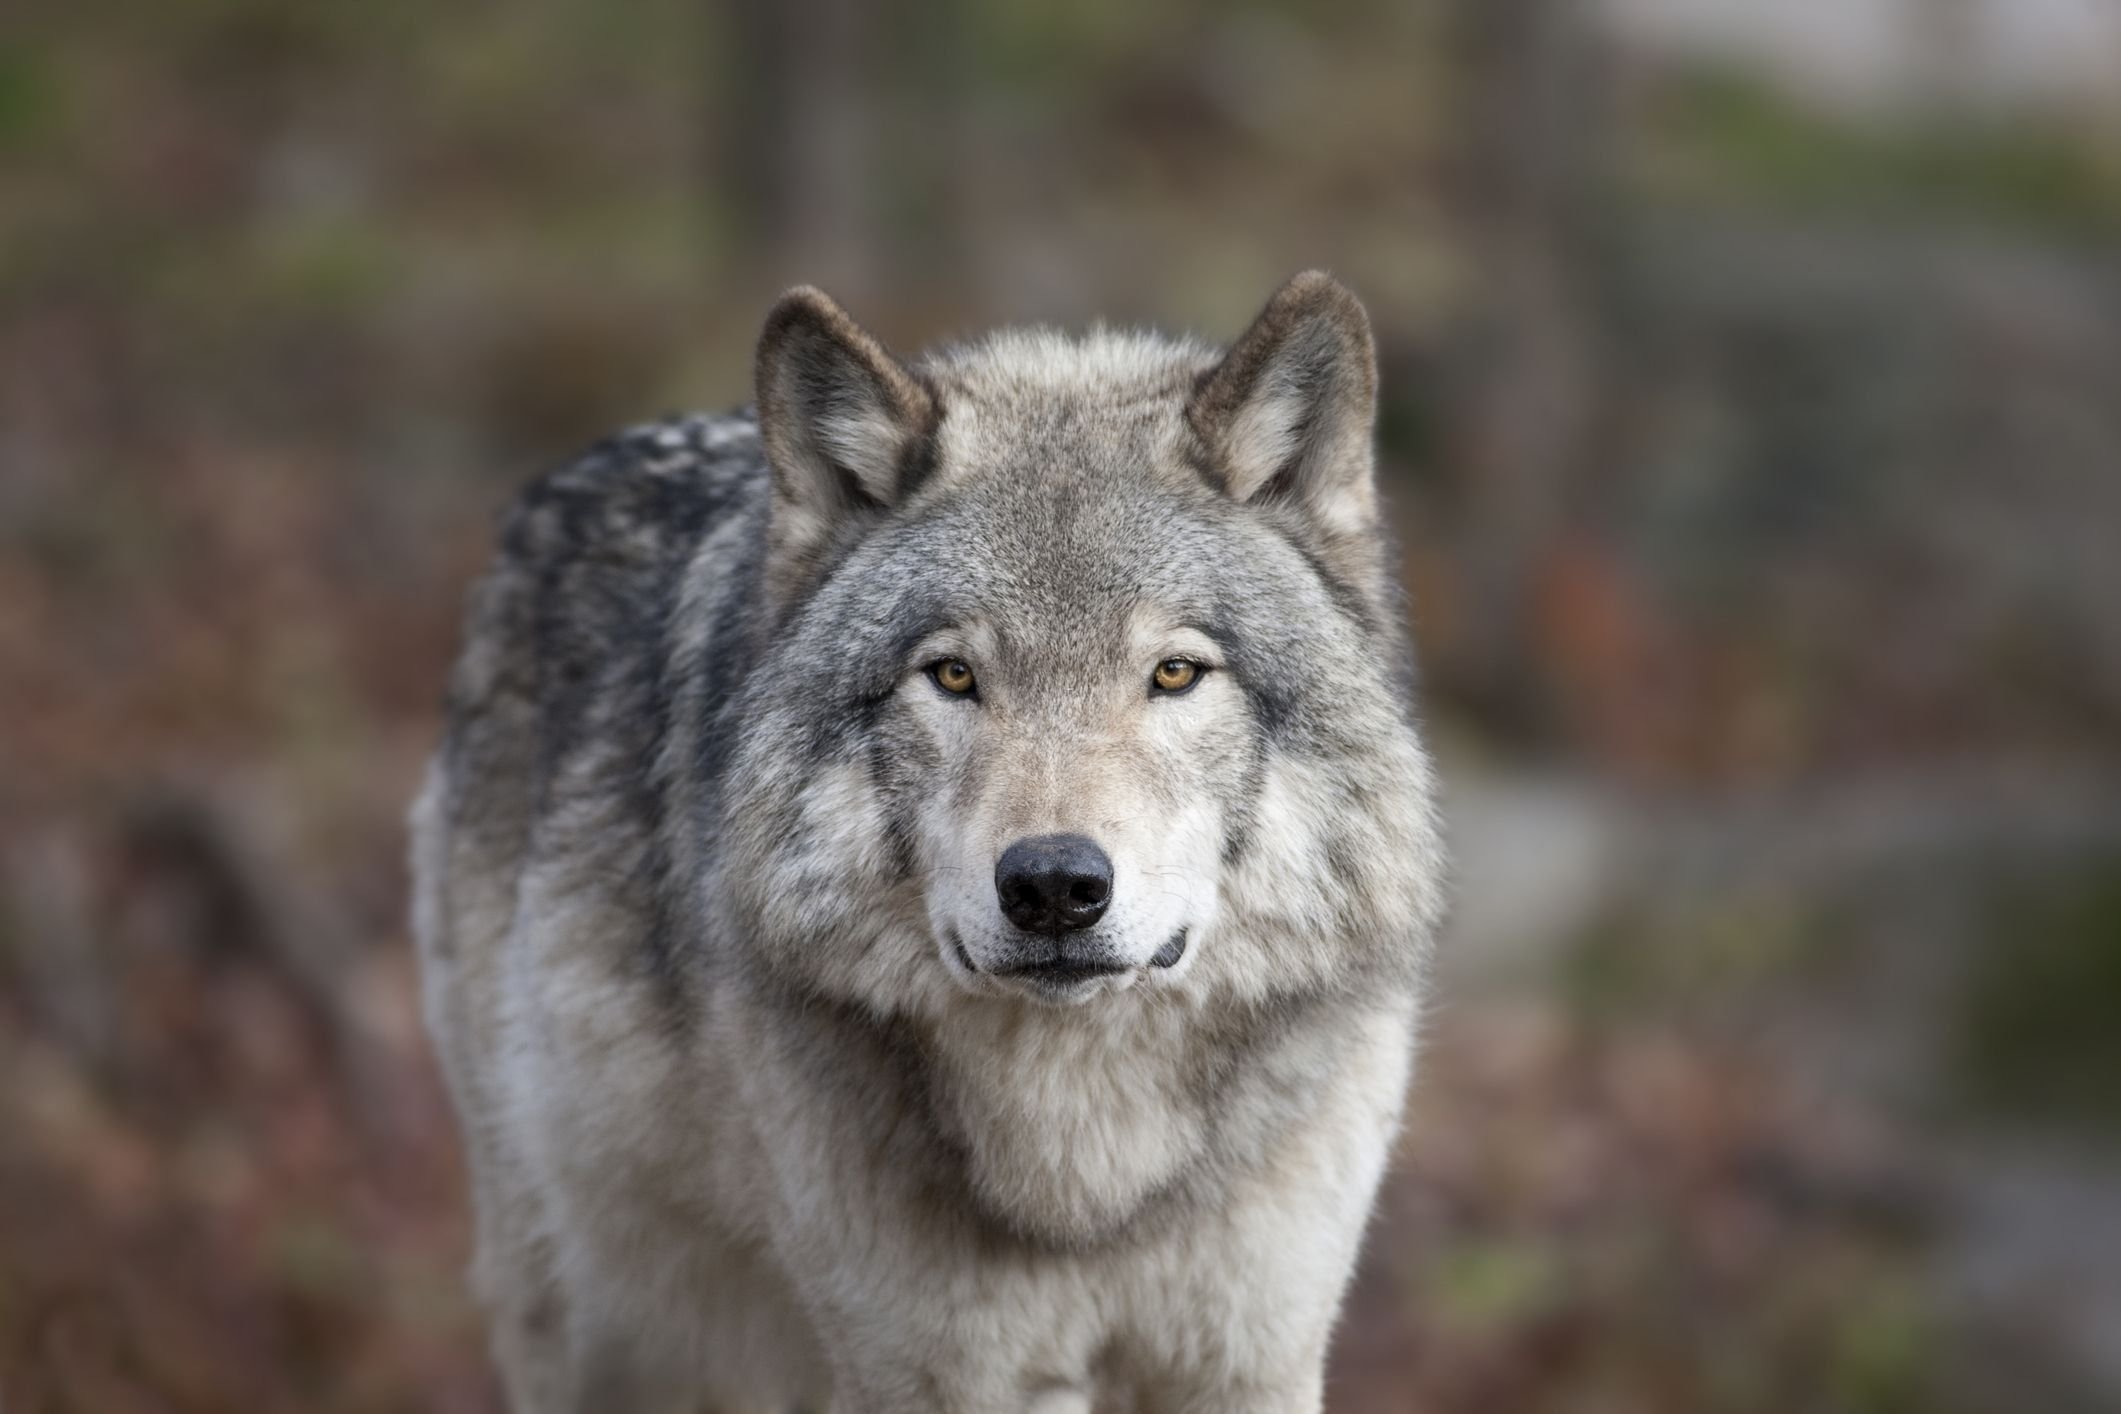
(1288, 413)
(843, 423)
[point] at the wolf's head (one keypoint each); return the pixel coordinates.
(1086, 675)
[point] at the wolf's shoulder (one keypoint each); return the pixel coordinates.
(570, 625)
(591, 554)
(645, 493)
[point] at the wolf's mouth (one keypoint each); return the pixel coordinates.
(1060, 972)
(1066, 972)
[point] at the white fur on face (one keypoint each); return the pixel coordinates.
(1111, 762)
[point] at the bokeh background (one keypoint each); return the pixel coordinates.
(1752, 421)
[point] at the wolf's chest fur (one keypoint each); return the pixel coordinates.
(923, 894)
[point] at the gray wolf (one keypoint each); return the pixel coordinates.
(923, 895)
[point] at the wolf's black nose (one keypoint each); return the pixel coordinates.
(1053, 883)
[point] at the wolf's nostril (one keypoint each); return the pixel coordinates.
(1053, 883)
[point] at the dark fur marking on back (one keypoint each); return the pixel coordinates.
(603, 543)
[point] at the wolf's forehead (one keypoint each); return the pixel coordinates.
(1036, 440)
(1034, 405)
(1077, 573)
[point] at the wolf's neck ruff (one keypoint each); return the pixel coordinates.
(1068, 1130)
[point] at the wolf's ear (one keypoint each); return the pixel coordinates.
(1289, 412)
(842, 422)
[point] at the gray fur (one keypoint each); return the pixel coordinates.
(704, 881)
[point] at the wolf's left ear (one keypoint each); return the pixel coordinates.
(842, 422)
(1289, 412)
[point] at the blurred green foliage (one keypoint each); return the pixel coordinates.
(2039, 1032)
(1728, 134)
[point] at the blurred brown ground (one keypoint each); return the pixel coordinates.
(1754, 445)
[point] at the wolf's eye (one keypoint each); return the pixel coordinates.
(952, 675)
(1176, 674)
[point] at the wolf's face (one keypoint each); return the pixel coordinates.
(1067, 744)
(1086, 679)
(1069, 802)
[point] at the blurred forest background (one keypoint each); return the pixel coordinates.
(1753, 421)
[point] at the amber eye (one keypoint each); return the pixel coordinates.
(952, 675)
(1176, 674)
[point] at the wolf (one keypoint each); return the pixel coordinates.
(924, 892)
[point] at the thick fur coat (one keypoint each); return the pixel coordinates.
(924, 893)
